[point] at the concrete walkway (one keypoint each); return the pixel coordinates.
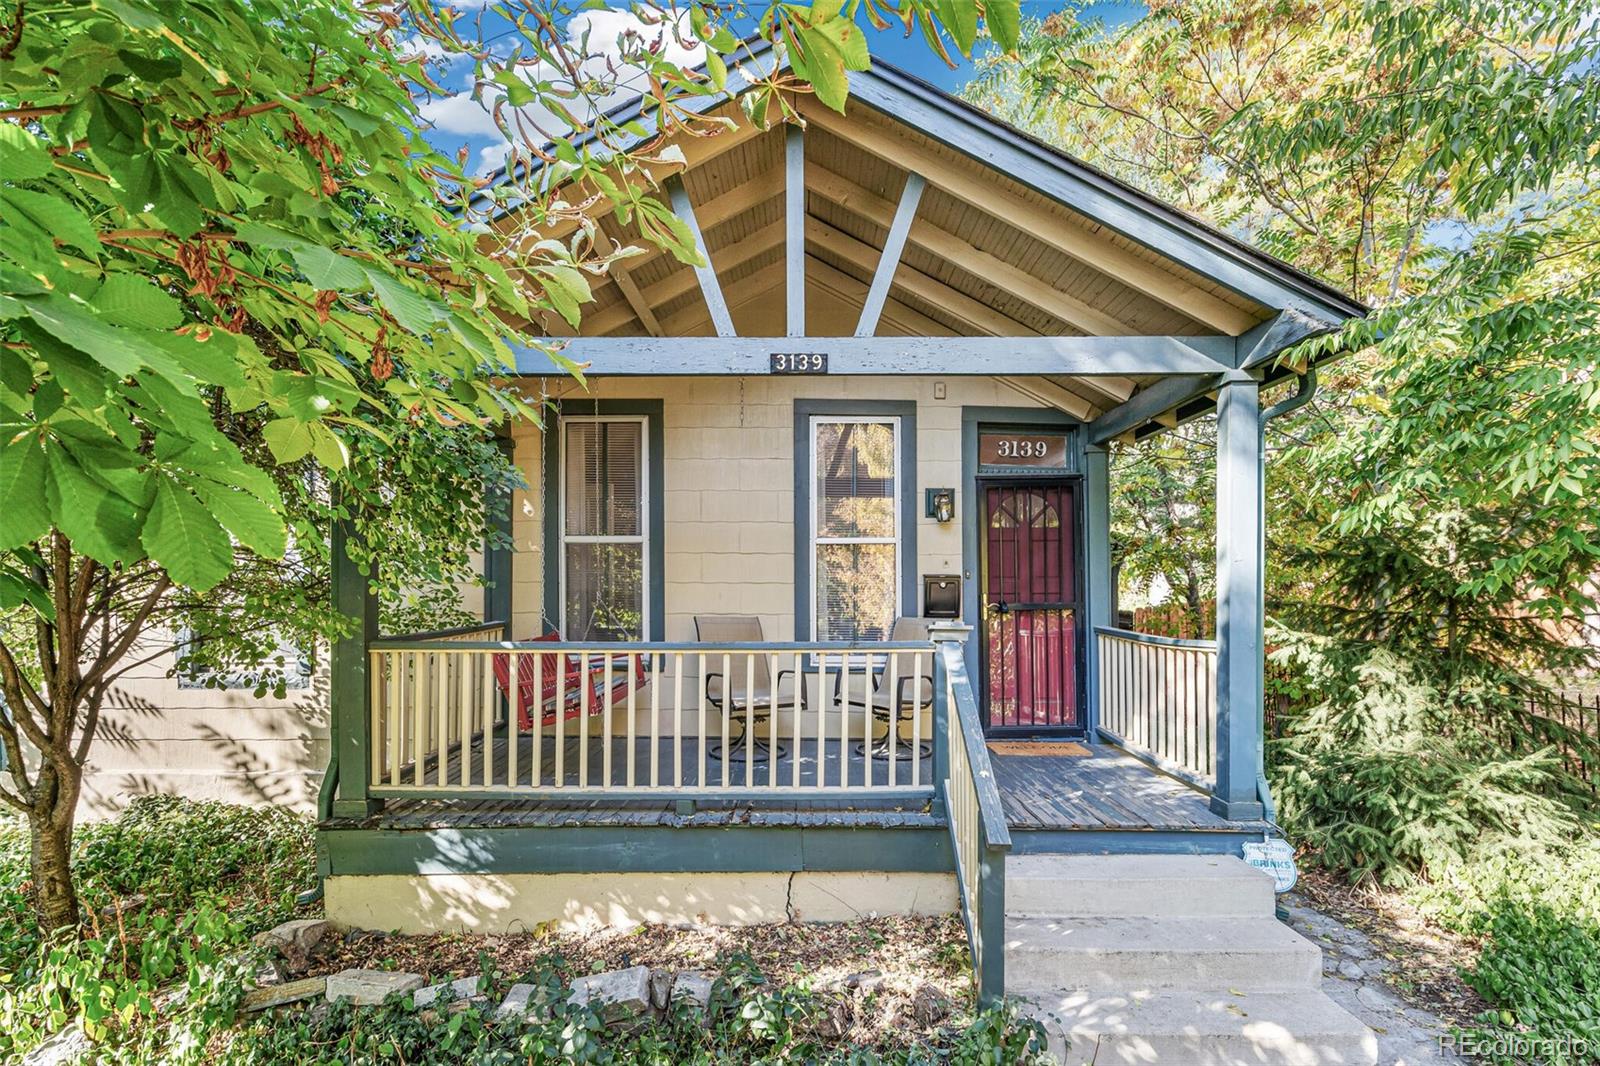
(1352, 976)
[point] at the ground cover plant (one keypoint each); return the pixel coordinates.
(174, 891)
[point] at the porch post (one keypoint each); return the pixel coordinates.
(497, 552)
(942, 633)
(349, 693)
(1099, 592)
(1240, 603)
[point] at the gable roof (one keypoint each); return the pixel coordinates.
(1133, 214)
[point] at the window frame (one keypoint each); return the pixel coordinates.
(814, 538)
(646, 514)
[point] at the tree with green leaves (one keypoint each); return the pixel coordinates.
(1435, 539)
(243, 297)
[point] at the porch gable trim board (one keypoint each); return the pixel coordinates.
(965, 356)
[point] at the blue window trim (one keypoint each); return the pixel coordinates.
(651, 411)
(804, 411)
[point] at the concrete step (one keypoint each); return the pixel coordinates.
(1200, 1029)
(1110, 886)
(1207, 954)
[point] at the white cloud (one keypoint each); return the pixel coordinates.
(602, 37)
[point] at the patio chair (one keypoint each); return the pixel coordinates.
(896, 708)
(765, 694)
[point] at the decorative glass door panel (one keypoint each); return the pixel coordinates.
(1030, 587)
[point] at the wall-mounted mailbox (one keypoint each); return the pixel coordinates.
(941, 596)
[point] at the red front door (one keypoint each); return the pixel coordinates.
(1030, 606)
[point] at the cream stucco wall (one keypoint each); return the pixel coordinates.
(155, 736)
(728, 487)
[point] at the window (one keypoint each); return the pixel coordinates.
(604, 553)
(855, 527)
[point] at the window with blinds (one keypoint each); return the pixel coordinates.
(603, 528)
(855, 527)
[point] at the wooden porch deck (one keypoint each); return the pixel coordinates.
(1106, 790)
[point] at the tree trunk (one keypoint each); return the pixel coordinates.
(55, 899)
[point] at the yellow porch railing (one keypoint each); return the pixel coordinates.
(1158, 696)
(978, 832)
(457, 715)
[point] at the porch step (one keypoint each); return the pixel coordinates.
(1215, 1029)
(1208, 954)
(1153, 886)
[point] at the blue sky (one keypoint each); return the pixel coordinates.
(459, 120)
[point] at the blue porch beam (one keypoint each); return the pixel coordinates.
(981, 356)
(1150, 402)
(1263, 344)
(889, 261)
(1240, 602)
(349, 694)
(794, 229)
(706, 273)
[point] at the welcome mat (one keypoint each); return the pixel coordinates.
(1038, 747)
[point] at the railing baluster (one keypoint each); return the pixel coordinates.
(916, 719)
(774, 705)
(559, 664)
(822, 721)
(749, 719)
(486, 693)
(700, 760)
(656, 666)
(727, 696)
(418, 669)
(630, 664)
(677, 720)
(606, 707)
(583, 719)
(799, 719)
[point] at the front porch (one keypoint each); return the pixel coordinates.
(883, 393)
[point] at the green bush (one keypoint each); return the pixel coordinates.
(1539, 921)
(172, 890)
(1395, 770)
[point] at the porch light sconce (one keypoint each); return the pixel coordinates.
(941, 504)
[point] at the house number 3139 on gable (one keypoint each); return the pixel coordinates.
(799, 363)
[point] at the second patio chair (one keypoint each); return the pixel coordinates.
(752, 687)
(897, 703)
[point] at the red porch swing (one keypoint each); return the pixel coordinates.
(573, 683)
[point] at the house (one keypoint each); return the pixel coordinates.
(808, 612)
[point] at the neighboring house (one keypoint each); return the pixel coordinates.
(208, 738)
(862, 455)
